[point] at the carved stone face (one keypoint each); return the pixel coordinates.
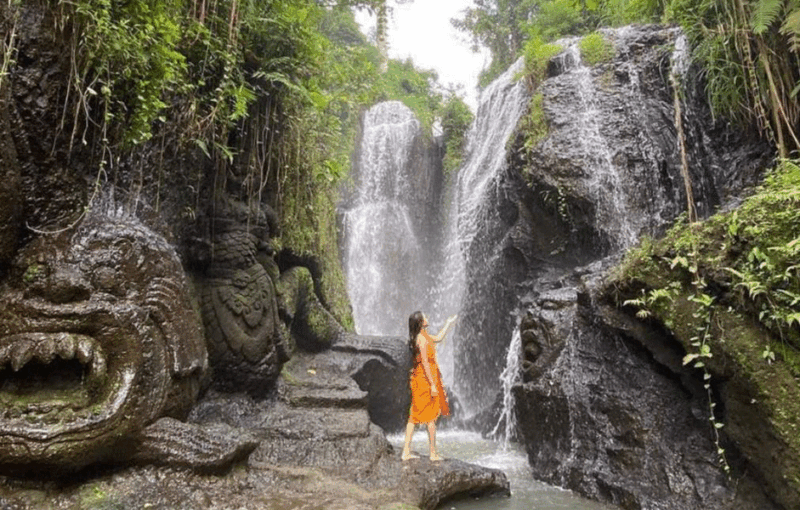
(97, 339)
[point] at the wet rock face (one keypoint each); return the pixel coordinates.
(10, 198)
(607, 172)
(606, 408)
(98, 339)
(610, 166)
(600, 412)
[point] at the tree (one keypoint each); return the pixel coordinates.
(499, 26)
(382, 11)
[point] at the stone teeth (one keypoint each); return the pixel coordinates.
(98, 365)
(45, 351)
(5, 352)
(21, 353)
(84, 350)
(65, 346)
(21, 348)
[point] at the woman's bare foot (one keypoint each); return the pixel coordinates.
(435, 457)
(409, 455)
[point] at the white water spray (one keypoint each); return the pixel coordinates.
(603, 181)
(501, 105)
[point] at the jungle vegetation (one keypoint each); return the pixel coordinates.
(270, 91)
(748, 50)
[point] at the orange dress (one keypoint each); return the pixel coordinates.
(424, 406)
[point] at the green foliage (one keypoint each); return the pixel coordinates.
(555, 19)
(623, 12)
(270, 90)
(749, 50)
(766, 277)
(128, 58)
(537, 55)
(414, 87)
(765, 13)
(791, 29)
(456, 120)
(596, 49)
(534, 124)
(500, 26)
(752, 252)
(736, 267)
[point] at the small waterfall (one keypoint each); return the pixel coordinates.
(506, 426)
(386, 253)
(502, 104)
(604, 182)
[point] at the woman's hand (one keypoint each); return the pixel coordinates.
(434, 391)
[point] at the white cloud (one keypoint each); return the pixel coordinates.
(422, 31)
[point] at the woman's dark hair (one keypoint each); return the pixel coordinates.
(415, 321)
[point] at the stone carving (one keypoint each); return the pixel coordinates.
(312, 327)
(98, 341)
(246, 339)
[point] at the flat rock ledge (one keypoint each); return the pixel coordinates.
(317, 449)
(416, 484)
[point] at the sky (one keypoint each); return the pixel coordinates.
(422, 31)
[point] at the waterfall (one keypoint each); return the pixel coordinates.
(390, 222)
(505, 429)
(469, 250)
(501, 105)
(385, 252)
(604, 183)
(394, 265)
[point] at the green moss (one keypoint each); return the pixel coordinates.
(537, 55)
(33, 273)
(95, 497)
(534, 124)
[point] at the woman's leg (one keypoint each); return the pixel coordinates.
(432, 440)
(407, 446)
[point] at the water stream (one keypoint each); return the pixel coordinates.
(385, 249)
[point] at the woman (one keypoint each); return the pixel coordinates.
(428, 399)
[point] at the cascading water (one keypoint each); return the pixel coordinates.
(387, 249)
(506, 425)
(393, 267)
(604, 181)
(469, 250)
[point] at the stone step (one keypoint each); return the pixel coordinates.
(313, 381)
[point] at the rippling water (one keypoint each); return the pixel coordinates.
(526, 493)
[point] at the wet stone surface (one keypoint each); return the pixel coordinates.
(316, 455)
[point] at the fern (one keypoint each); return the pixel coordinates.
(765, 12)
(791, 28)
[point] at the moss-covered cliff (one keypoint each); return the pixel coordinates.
(728, 289)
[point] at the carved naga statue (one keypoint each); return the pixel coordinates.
(246, 338)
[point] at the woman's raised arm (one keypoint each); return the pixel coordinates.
(440, 337)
